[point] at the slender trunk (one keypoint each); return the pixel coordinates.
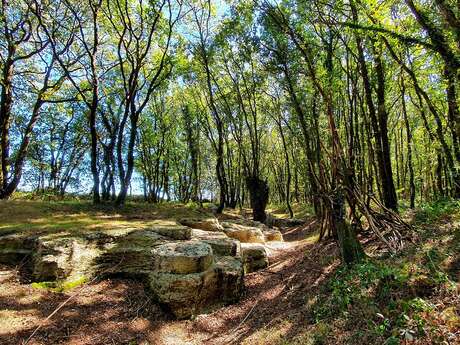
(389, 190)
(6, 102)
(409, 146)
(288, 170)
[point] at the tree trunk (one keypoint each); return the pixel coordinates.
(409, 146)
(258, 195)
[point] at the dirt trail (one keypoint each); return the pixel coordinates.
(119, 312)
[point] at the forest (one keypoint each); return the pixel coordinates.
(151, 149)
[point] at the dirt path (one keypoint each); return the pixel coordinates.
(119, 312)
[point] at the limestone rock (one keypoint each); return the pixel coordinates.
(272, 235)
(180, 293)
(230, 278)
(183, 257)
(172, 230)
(187, 276)
(208, 224)
(67, 257)
(14, 248)
(188, 294)
(131, 255)
(254, 257)
(244, 234)
(220, 243)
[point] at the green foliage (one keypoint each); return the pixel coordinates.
(386, 303)
(432, 211)
(351, 285)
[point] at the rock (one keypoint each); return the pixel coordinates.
(173, 230)
(68, 257)
(131, 255)
(180, 293)
(51, 259)
(208, 224)
(249, 223)
(272, 235)
(188, 294)
(230, 278)
(187, 276)
(14, 248)
(220, 243)
(182, 258)
(244, 234)
(254, 257)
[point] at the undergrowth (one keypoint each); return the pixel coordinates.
(404, 299)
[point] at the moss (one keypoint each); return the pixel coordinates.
(60, 286)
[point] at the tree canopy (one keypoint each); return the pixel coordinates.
(351, 106)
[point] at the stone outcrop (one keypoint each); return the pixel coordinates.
(183, 257)
(251, 231)
(187, 270)
(130, 255)
(189, 267)
(171, 230)
(242, 233)
(14, 248)
(284, 222)
(220, 243)
(187, 294)
(254, 257)
(208, 224)
(272, 235)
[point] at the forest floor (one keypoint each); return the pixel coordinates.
(303, 297)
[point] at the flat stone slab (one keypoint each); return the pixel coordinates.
(174, 231)
(244, 234)
(182, 257)
(220, 243)
(208, 224)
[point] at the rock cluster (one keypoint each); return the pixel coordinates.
(188, 267)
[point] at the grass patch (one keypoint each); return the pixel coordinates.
(32, 217)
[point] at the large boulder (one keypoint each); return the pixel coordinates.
(220, 243)
(171, 230)
(244, 234)
(272, 235)
(182, 257)
(254, 257)
(186, 295)
(206, 224)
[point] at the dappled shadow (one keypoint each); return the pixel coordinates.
(38, 217)
(302, 232)
(111, 311)
(280, 292)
